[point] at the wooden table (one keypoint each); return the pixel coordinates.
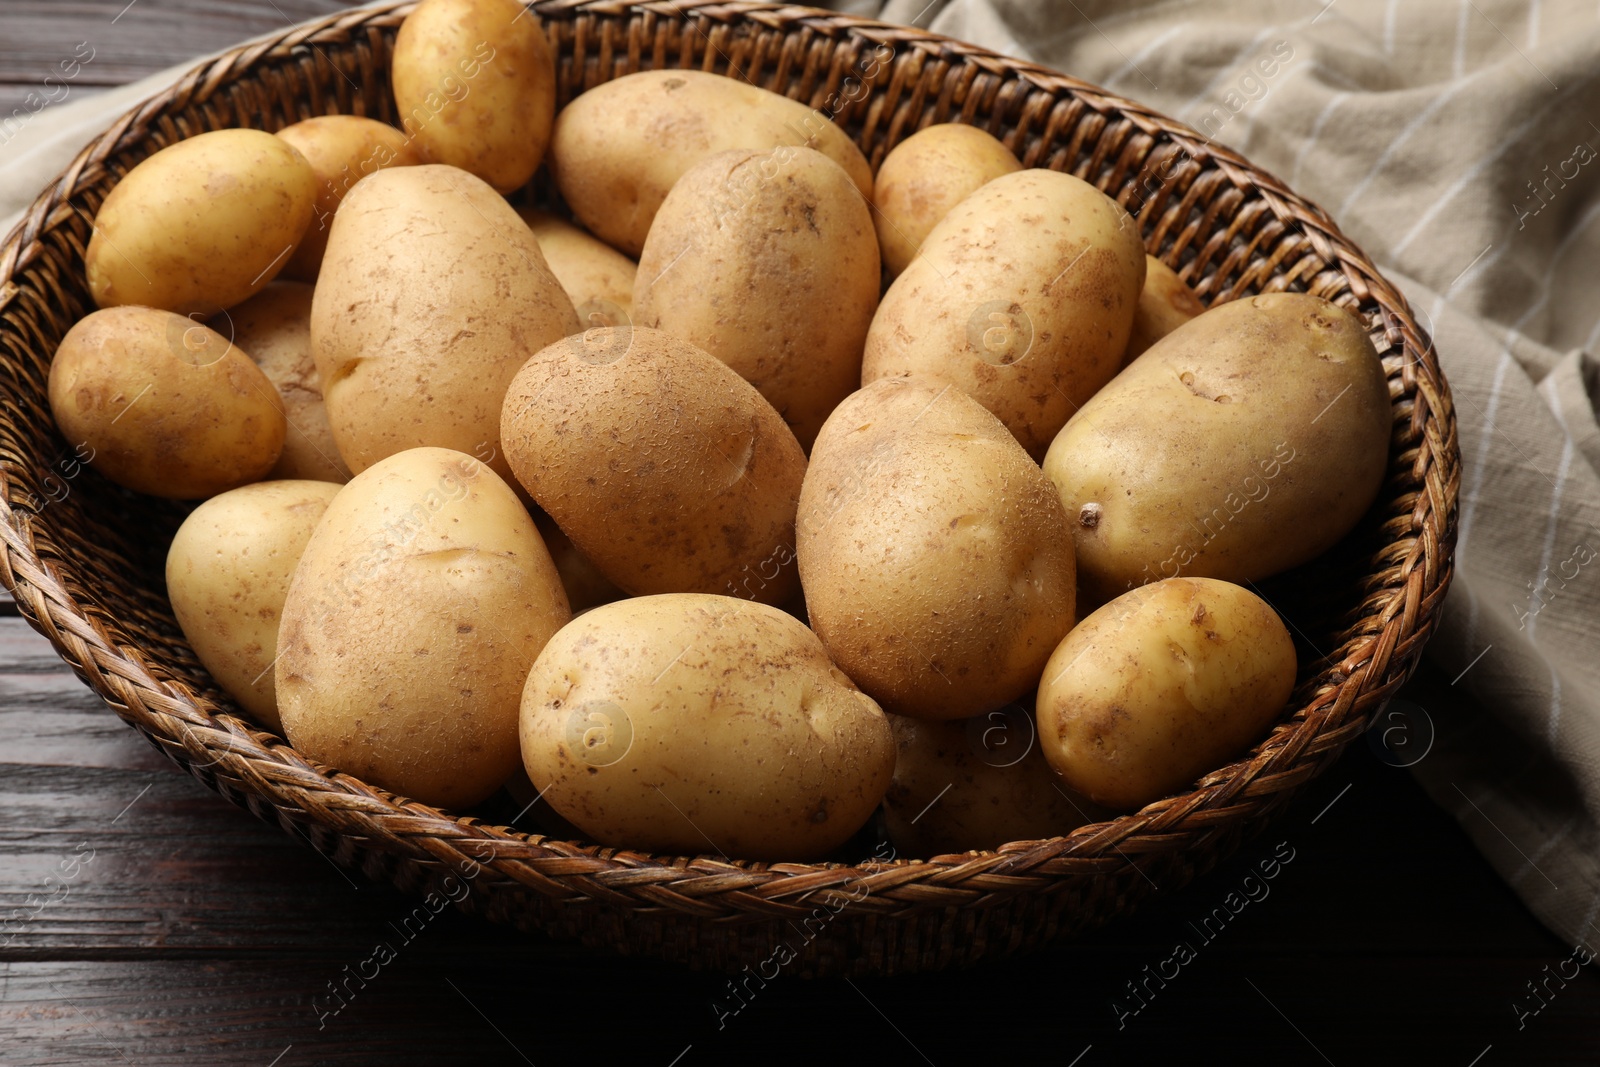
(144, 920)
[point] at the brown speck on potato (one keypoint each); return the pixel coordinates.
(1089, 515)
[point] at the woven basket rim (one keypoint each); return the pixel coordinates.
(200, 735)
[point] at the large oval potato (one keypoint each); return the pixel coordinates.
(163, 404)
(926, 175)
(768, 261)
(667, 470)
(410, 625)
(1165, 303)
(618, 148)
(341, 149)
(1246, 442)
(433, 294)
(1023, 297)
(475, 85)
(690, 724)
(202, 224)
(1161, 685)
(937, 562)
(228, 571)
(274, 329)
(597, 278)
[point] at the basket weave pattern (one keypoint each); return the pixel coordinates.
(84, 557)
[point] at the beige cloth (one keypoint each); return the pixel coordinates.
(1451, 140)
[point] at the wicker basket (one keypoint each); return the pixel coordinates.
(85, 558)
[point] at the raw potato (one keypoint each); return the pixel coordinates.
(975, 784)
(1247, 442)
(1023, 298)
(597, 278)
(228, 571)
(342, 149)
(433, 293)
(274, 329)
(768, 261)
(1160, 686)
(667, 470)
(410, 624)
(937, 562)
(163, 404)
(586, 587)
(475, 85)
(926, 175)
(202, 224)
(687, 724)
(619, 147)
(1165, 303)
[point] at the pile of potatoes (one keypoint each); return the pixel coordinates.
(925, 493)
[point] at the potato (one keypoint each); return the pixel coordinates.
(274, 329)
(1161, 685)
(410, 624)
(667, 470)
(975, 784)
(202, 224)
(689, 723)
(586, 587)
(475, 85)
(1165, 303)
(163, 404)
(1023, 297)
(342, 149)
(1246, 442)
(768, 261)
(433, 293)
(936, 561)
(228, 571)
(597, 278)
(619, 147)
(926, 175)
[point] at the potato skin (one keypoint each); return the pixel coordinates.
(228, 571)
(163, 404)
(667, 470)
(1160, 686)
(432, 294)
(274, 329)
(475, 86)
(597, 278)
(1165, 303)
(1246, 442)
(768, 261)
(1023, 298)
(201, 224)
(410, 624)
(618, 148)
(688, 723)
(926, 175)
(937, 563)
(341, 149)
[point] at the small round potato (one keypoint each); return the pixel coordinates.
(475, 85)
(1165, 303)
(342, 149)
(274, 329)
(597, 278)
(1160, 686)
(620, 147)
(163, 404)
(409, 627)
(975, 784)
(691, 724)
(228, 572)
(936, 561)
(667, 470)
(926, 175)
(202, 224)
(1022, 297)
(767, 260)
